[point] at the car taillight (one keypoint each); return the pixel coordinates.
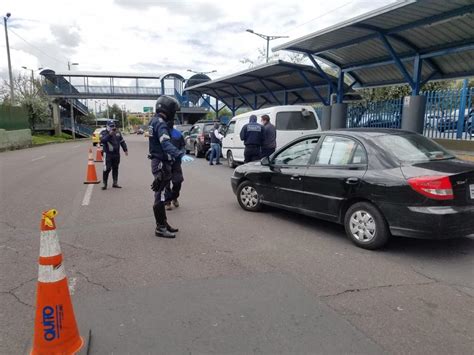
(435, 187)
(201, 138)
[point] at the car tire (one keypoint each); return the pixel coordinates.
(365, 226)
(197, 152)
(248, 197)
(230, 160)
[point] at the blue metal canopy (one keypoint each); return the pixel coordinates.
(405, 42)
(273, 83)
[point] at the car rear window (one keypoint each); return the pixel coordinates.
(295, 121)
(412, 148)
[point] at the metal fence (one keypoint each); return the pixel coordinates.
(449, 114)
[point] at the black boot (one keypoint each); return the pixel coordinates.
(117, 186)
(161, 224)
(162, 231)
(171, 229)
(104, 187)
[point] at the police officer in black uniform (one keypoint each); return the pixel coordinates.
(252, 135)
(162, 154)
(111, 140)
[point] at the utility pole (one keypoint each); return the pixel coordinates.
(12, 96)
(123, 123)
(73, 128)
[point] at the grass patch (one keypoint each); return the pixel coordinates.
(39, 139)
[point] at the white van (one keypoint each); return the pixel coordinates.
(290, 121)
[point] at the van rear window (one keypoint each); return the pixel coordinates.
(295, 121)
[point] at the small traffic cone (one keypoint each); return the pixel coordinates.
(98, 155)
(56, 329)
(91, 177)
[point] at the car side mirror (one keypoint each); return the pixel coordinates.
(265, 161)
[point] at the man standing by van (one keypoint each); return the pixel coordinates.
(269, 137)
(252, 135)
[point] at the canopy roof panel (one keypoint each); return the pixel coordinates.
(273, 83)
(372, 47)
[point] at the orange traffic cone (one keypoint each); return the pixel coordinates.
(91, 177)
(55, 330)
(98, 155)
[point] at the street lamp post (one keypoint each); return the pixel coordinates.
(32, 77)
(69, 64)
(5, 18)
(265, 37)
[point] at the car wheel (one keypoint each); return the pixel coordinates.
(208, 155)
(197, 153)
(248, 197)
(230, 160)
(366, 226)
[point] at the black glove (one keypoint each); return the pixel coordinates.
(156, 185)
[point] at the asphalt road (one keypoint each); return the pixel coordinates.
(231, 282)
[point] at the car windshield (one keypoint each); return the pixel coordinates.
(412, 148)
(208, 128)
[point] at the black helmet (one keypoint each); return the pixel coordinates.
(167, 105)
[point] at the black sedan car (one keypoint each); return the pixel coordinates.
(378, 183)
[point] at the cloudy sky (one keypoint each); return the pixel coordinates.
(157, 36)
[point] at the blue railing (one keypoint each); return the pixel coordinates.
(449, 114)
(79, 128)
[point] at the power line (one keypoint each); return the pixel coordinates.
(318, 17)
(38, 49)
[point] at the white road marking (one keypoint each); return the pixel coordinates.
(87, 195)
(76, 146)
(72, 285)
(39, 158)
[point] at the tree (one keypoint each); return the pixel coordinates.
(134, 120)
(31, 96)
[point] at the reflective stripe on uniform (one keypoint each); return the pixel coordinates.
(49, 244)
(50, 273)
(164, 137)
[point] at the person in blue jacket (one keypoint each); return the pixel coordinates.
(163, 153)
(252, 135)
(177, 177)
(111, 140)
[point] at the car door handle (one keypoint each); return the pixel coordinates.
(295, 177)
(352, 181)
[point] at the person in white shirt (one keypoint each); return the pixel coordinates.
(216, 139)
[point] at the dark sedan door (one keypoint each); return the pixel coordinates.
(283, 184)
(334, 176)
(190, 140)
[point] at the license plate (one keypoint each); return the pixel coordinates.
(471, 189)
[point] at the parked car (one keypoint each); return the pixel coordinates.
(183, 127)
(374, 122)
(451, 123)
(96, 136)
(378, 183)
(198, 140)
(290, 121)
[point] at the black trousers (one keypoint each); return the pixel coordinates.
(251, 153)
(172, 192)
(159, 167)
(111, 163)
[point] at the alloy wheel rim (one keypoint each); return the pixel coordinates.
(249, 197)
(230, 159)
(362, 226)
(196, 150)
